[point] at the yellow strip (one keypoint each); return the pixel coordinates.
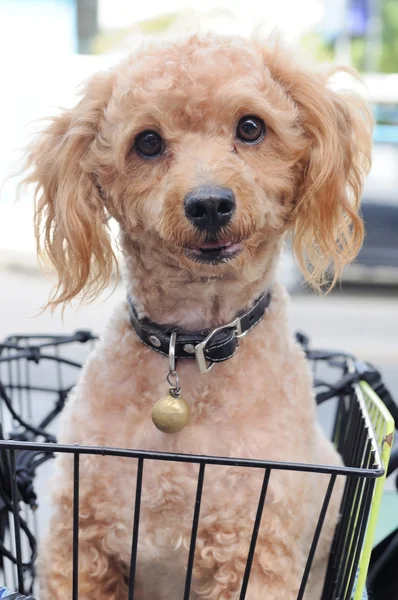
(383, 425)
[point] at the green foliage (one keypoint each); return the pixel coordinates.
(157, 24)
(388, 54)
(316, 47)
(312, 42)
(109, 40)
(358, 53)
(389, 50)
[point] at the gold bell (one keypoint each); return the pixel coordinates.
(170, 414)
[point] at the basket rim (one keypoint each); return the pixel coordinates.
(373, 473)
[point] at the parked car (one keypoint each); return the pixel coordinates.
(378, 258)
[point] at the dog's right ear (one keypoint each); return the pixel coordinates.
(70, 217)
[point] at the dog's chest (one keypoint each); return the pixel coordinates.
(250, 406)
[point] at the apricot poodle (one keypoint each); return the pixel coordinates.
(207, 152)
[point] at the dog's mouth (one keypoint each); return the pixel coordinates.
(215, 252)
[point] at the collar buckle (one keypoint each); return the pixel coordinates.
(203, 365)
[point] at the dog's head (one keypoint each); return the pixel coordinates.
(206, 151)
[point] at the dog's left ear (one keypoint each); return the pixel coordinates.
(326, 228)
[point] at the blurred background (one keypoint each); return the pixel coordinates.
(48, 47)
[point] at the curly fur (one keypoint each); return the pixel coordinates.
(305, 178)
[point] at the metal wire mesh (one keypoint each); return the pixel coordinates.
(30, 444)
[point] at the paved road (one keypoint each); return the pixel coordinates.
(362, 320)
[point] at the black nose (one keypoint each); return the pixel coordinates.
(209, 208)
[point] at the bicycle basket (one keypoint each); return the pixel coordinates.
(362, 433)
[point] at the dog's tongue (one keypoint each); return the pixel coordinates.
(214, 245)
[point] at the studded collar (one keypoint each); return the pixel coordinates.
(209, 346)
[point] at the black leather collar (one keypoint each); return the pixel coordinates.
(208, 346)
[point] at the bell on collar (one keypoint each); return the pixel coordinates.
(171, 413)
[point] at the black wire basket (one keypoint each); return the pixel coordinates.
(39, 372)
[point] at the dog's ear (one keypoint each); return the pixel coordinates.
(70, 217)
(326, 228)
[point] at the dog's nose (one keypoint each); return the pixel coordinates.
(209, 208)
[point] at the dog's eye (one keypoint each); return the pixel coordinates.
(149, 144)
(250, 129)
